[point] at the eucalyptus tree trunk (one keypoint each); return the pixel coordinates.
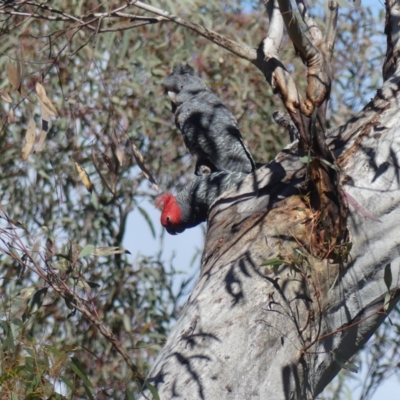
(271, 316)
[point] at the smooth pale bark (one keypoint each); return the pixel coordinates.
(247, 332)
(250, 332)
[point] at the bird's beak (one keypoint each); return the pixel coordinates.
(170, 231)
(172, 96)
(174, 230)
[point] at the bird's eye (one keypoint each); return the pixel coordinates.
(168, 219)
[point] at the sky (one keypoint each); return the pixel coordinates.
(139, 240)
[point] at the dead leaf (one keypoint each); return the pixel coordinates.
(5, 96)
(120, 155)
(44, 101)
(20, 66)
(11, 117)
(29, 139)
(45, 128)
(109, 163)
(14, 75)
(42, 139)
(140, 161)
(23, 92)
(84, 177)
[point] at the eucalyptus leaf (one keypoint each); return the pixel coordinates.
(87, 250)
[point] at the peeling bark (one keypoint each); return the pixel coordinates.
(248, 331)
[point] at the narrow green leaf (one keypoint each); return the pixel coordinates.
(334, 282)
(26, 293)
(108, 251)
(63, 265)
(388, 276)
(69, 384)
(81, 283)
(300, 251)
(66, 257)
(153, 391)
(93, 285)
(129, 395)
(18, 224)
(8, 342)
(81, 375)
(86, 251)
(127, 323)
(273, 262)
(329, 164)
(18, 322)
(387, 301)
(94, 200)
(88, 392)
(69, 304)
(306, 159)
(148, 220)
(37, 300)
(5, 327)
(349, 366)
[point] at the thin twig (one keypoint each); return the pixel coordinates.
(240, 50)
(274, 71)
(331, 29)
(302, 43)
(319, 74)
(82, 21)
(69, 16)
(111, 14)
(127, 27)
(33, 15)
(272, 68)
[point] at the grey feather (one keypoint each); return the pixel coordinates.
(209, 129)
(196, 198)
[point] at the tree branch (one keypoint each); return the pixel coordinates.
(273, 40)
(275, 73)
(331, 28)
(240, 50)
(318, 69)
(269, 64)
(315, 32)
(300, 41)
